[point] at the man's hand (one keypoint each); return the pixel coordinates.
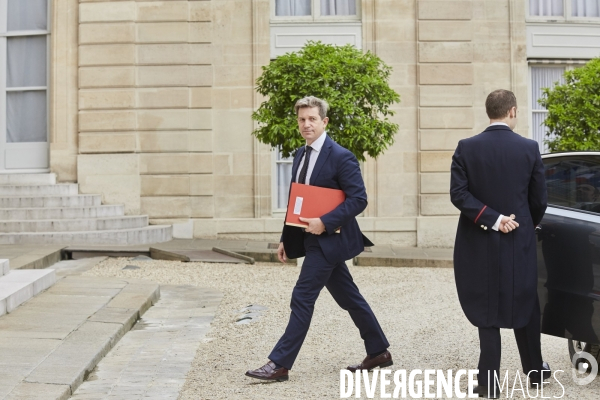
(281, 253)
(507, 224)
(315, 225)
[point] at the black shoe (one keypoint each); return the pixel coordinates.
(536, 378)
(482, 391)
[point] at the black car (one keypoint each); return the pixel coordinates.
(568, 248)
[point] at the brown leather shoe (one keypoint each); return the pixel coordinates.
(382, 360)
(269, 372)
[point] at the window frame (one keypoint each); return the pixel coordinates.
(276, 161)
(316, 15)
(4, 35)
(567, 67)
(568, 156)
(566, 18)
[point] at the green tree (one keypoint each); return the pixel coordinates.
(573, 119)
(354, 84)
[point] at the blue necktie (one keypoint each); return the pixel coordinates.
(304, 169)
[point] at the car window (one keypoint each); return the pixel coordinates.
(574, 182)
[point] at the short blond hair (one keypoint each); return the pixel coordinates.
(312, 101)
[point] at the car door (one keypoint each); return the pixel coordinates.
(568, 247)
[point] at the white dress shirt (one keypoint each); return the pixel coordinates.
(317, 145)
(497, 224)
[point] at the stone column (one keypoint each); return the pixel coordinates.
(446, 93)
(107, 161)
(391, 180)
(263, 165)
(63, 90)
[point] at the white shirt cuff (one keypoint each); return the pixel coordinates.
(497, 224)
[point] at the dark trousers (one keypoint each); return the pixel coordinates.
(529, 344)
(317, 273)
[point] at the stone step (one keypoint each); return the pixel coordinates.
(79, 224)
(62, 212)
(27, 179)
(81, 200)
(148, 234)
(61, 189)
(4, 267)
(18, 286)
(52, 342)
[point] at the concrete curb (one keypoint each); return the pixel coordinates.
(366, 260)
(37, 261)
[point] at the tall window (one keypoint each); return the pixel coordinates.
(542, 77)
(293, 23)
(571, 9)
(23, 70)
(315, 9)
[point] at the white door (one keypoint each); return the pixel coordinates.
(24, 45)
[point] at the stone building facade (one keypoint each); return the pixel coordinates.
(150, 102)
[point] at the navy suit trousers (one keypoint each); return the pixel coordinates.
(528, 342)
(317, 273)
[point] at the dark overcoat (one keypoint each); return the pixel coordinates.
(335, 168)
(497, 172)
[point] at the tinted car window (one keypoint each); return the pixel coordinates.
(574, 182)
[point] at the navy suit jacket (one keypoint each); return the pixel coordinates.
(497, 172)
(336, 168)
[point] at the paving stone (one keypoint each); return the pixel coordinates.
(25, 352)
(85, 290)
(141, 258)
(124, 316)
(77, 355)
(39, 391)
(5, 390)
(62, 304)
(12, 375)
(152, 360)
(93, 282)
(51, 321)
(76, 267)
(136, 295)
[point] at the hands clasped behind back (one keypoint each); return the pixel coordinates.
(507, 225)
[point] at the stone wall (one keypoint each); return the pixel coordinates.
(466, 50)
(152, 102)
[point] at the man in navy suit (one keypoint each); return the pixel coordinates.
(498, 184)
(324, 163)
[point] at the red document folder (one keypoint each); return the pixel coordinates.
(311, 202)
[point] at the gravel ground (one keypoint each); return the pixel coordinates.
(417, 307)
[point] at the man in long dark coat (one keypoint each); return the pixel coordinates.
(497, 183)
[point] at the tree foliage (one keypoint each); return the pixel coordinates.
(354, 84)
(573, 119)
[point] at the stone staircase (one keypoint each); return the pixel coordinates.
(18, 286)
(34, 209)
